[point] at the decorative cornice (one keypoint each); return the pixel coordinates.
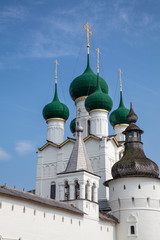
(56, 145)
(98, 110)
(80, 99)
(114, 139)
(68, 140)
(61, 119)
(47, 144)
(123, 124)
(91, 136)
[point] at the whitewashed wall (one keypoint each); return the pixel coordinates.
(135, 201)
(103, 154)
(31, 221)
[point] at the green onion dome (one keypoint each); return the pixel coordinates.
(55, 109)
(98, 99)
(73, 126)
(119, 116)
(86, 83)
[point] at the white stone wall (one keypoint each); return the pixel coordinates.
(55, 130)
(118, 131)
(103, 154)
(88, 189)
(135, 201)
(51, 161)
(99, 123)
(21, 219)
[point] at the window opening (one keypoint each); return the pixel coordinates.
(77, 189)
(132, 230)
(53, 190)
(135, 134)
(66, 190)
(130, 135)
(88, 127)
(86, 191)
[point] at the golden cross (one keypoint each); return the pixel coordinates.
(120, 74)
(56, 63)
(79, 112)
(98, 52)
(87, 28)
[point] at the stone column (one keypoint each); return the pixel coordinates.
(61, 192)
(89, 190)
(82, 190)
(72, 191)
(95, 194)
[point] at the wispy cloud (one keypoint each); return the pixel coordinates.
(56, 33)
(13, 12)
(4, 155)
(9, 15)
(24, 147)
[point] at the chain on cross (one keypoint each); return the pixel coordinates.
(56, 63)
(79, 112)
(87, 28)
(98, 52)
(120, 76)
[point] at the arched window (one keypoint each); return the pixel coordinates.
(53, 190)
(66, 190)
(77, 190)
(132, 225)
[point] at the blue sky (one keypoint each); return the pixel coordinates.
(34, 33)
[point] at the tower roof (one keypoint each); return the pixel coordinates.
(55, 109)
(79, 159)
(134, 161)
(98, 99)
(119, 116)
(73, 125)
(86, 83)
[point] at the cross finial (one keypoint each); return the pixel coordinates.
(120, 74)
(56, 63)
(98, 52)
(79, 112)
(87, 28)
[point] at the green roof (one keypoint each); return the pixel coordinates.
(98, 99)
(55, 109)
(119, 116)
(86, 83)
(73, 125)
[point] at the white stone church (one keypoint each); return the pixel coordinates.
(92, 186)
